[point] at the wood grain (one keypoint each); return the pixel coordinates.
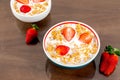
(19, 61)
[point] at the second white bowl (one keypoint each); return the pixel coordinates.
(28, 18)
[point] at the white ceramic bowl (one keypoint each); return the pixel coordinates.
(33, 18)
(53, 42)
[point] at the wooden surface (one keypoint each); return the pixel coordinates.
(19, 61)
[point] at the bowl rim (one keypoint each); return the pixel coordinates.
(26, 16)
(78, 65)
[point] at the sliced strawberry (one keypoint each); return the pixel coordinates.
(68, 33)
(85, 38)
(23, 1)
(62, 49)
(31, 34)
(36, 1)
(25, 8)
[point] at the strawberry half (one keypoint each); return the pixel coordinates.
(68, 33)
(31, 34)
(85, 38)
(36, 1)
(23, 1)
(62, 49)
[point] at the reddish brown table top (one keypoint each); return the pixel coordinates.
(19, 61)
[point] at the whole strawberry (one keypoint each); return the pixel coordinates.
(31, 34)
(109, 60)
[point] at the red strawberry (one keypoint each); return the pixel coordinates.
(104, 58)
(62, 49)
(23, 1)
(25, 8)
(109, 60)
(36, 1)
(68, 33)
(85, 37)
(31, 34)
(113, 60)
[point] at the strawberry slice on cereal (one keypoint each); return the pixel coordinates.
(23, 1)
(25, 8)
(62, 49)
(36, 1)
(85, 37)
(68, 33)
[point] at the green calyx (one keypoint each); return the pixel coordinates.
(112, 50)
(35, 26)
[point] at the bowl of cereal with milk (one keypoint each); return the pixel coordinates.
(30, 10)
(71, 44)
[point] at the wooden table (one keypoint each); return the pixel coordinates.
(19, 61)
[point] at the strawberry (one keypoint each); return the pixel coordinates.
(105, 56)
(25, 8)
(31, 34)
(85, 38)
(109, 60)
(62, 49)
(113, 61)
(23, 1)
(68, 33)
(36, 1)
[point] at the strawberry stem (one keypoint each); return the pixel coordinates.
(112, 50)
(35, 27)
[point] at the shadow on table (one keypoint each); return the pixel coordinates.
(55, 72)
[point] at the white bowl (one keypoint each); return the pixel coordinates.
(33, 18)
(53, 42)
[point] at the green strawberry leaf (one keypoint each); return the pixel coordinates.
(35, 26)
(109, 49)
(117, 51)
(112, 50)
